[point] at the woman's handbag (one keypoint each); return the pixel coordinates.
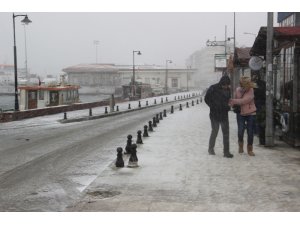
(236, 108)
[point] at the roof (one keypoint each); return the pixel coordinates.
(282, 35)
(91, 68)
(49, 88)
(112, 68)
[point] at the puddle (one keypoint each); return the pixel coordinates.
(103, 193)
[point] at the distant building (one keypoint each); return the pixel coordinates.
(109, 78)
(207, 64)
(7, 78)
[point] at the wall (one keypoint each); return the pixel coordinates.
(11, 116)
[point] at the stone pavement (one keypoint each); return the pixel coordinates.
(176, 174)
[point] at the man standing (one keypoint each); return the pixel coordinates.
(217, 98)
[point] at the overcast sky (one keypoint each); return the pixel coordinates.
(58, 40)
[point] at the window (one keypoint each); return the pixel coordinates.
(41, 95)
(174, 82)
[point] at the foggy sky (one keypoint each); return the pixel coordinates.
(58, 40)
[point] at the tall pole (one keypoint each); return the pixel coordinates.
(25, 21)
(234, 33)
(133, 76)
(26, 65)
(225, 44)
(15, 68)
(166, 77)
(187, 77)
(269, 133)
(133, 73)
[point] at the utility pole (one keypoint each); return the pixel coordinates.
(269, 84)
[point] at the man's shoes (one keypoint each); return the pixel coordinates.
(211, 152)
(228, 155)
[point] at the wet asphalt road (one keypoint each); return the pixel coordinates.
(46, 168)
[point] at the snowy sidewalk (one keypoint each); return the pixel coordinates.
(176, 173)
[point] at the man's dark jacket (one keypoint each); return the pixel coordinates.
(217, 99)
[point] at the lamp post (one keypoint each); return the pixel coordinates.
(133, 73)
(188, 77)
(26, 62)
(25, 21)
(250, 34)
(166, 77)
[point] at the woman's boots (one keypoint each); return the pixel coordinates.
(241, 146)
(250, 150)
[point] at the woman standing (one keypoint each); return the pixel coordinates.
(244, 97)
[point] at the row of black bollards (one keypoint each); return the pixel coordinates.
(131, 148)
(139, 105)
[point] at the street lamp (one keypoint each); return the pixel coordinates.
(133, 74)
(166, 77)
(187, 77)
(250, 34)
(25, 21)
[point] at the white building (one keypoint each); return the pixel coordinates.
(109, 78)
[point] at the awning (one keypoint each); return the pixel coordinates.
(283, 36)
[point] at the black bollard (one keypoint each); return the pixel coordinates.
(145, 134)
(157, 119)
(154, 122)
(200, 99)
(150, 126)
(180, 107)
(128, 146)
(187, 104)
(197, 101)
(146, 103)
(172, 109)
(90, 112)
(139, 137)
(129, 107)
(155, 101)
(119, 161)
(193, 103)
(166, 99)
(161, 100)
(139, 104)
(133, 160)
(160, 116)
(117, 108)
(165, 113)
(105, 110)
(65, 115)
(175, 98)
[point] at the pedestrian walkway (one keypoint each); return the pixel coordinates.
(176, 174)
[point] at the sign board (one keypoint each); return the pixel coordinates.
(220, 61)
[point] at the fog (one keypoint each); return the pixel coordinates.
(56, 40)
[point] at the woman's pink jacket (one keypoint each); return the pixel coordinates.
(246, 102)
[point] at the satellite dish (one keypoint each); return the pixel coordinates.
(255, 63)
